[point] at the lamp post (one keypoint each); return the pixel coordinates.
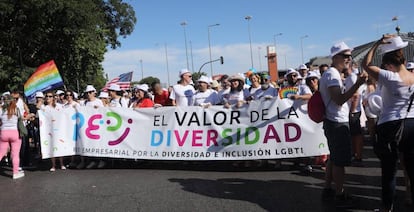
(301, 45)
(191, 53)
(142, 69)
(166, 61)
(184, 24)
(260, 59)
(209, 46)
(274, 38)
(248, 18)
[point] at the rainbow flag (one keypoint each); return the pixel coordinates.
(46, 77)
(286, 92)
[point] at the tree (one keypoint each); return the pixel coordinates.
(149, 80)
(197, 75)
(73, 33)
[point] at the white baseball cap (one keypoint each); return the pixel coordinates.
(90, 88)
(303, 67)
(75, 95)
(58, 92)
(114, 87)
(395, 43)
(292, 71)
(338, 48)
(39, 95)
(103, 94)
(312, 74)
(410, 65)
(143, 87)
(204, 79)
(184, 71)
(6, 93)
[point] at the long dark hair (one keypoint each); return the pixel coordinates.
(239, 88)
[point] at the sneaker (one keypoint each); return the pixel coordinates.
(307, 169)
(63, 167)
(71, 165)
(18, 175)
(81, 165)
(343, 200)
(328, 194)
(52, 169)
(91, 165)
(101, 164)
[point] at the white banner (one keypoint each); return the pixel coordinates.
(261, 130)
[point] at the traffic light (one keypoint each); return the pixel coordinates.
(221, 60)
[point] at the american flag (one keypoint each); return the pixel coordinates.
(123, 80)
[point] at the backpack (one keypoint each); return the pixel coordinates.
(316, 108)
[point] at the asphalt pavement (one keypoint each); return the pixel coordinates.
(189, 186)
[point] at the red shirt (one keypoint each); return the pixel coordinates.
(163, 98)
(145, 103)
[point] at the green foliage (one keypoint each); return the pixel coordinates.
(197, 75)
(73, 33)
(149, 80)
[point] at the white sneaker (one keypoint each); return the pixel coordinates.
(52, 169)
(63, 167)
(18, 175)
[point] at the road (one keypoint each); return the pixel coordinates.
(190, 186)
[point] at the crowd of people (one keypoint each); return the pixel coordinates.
(379, 96)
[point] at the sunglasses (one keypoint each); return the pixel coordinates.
(346, 56)
(89, 92)
(294, 75)
(189, 76)
(49, 96)
(68, 94)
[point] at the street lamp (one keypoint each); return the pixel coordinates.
(209, 46)
(248, 18)
(142, 69)
(274, 38)
(301, 45)
(191, 53)
(184, 24)
(260, 59)
(166, 60)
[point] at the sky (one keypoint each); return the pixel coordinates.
(324, 22)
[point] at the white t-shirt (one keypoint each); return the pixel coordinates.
(208, 96)
(119, 102)
(233, 97)
(95, 103)
(183, 95)
(334, 112)
(270, 91)
(73, 104)
(349, 82)
(395, 97)
(8, 124)
(51, 109)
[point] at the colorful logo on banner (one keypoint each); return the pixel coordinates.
(113, 121)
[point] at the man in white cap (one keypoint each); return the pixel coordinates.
(60, 97)
(182, 94)
(204, 96)
(336, 123)
(303, 92)
(355, 106)
(91, 99)
(303, 71)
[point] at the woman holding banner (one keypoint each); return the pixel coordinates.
(52, 106)
(10, 134)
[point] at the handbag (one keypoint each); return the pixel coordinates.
(20, 125)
